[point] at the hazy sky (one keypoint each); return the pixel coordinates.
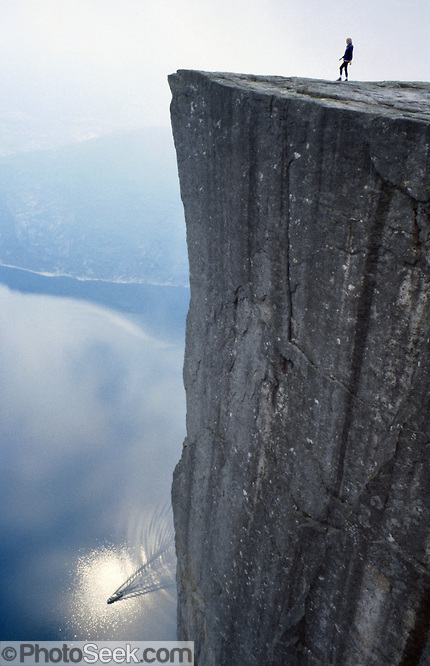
(110, 58)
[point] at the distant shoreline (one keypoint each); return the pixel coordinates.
(88, 279)
(161, 308)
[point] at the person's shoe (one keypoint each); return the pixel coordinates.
(339, 79)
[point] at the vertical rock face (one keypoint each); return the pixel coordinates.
(302, 498)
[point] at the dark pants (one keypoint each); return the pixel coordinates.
(344, 65)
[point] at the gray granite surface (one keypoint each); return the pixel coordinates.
(302, 497)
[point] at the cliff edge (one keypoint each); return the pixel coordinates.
(302, 497)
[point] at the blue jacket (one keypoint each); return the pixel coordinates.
(348, 53)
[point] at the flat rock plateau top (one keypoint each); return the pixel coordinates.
(404, 98)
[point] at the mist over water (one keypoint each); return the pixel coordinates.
(91, 427)
(93, 298)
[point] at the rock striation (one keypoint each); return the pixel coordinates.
(302, 497)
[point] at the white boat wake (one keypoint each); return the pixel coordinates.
(158, 570)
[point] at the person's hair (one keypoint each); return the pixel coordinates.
(349, 40)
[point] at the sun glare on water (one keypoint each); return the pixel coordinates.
(98, 573)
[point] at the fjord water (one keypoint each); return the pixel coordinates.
(91, 424)
(92, 418)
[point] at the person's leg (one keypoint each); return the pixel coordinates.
(345, 64)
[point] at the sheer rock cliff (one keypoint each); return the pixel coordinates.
(302, 497)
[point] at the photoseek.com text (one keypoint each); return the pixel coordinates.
(30, 653)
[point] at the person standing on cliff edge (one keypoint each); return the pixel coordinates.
(347, 58)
